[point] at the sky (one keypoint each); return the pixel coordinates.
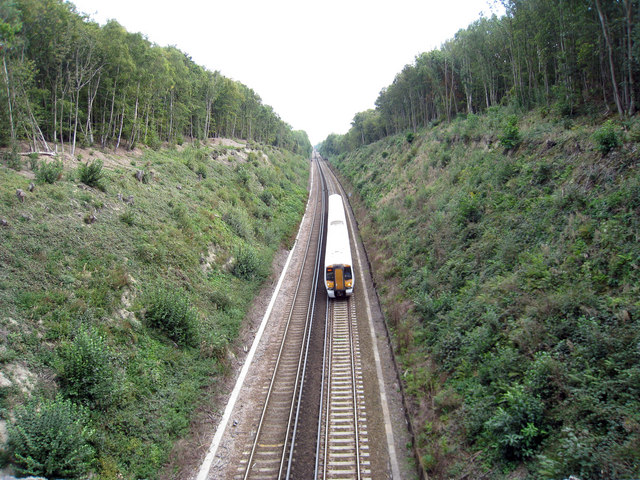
(317, 63)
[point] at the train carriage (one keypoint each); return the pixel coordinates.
(338, 270)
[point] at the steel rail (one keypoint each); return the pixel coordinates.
(288, 325)
(312, 304)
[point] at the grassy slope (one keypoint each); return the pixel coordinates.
(511, 280)
(60, 274)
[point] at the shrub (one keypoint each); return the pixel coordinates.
(514, 430)
(50, 438)
(510, 137)
(86, 369)
(171, 312)
(238, 222)
(33, 161)
(410, 137)
(49, 172)
(248, 264)
(12, 158)
(92, 174)
(607, 138)
(267, 197)
(202, 170)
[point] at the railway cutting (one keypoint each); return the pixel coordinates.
(311, 404)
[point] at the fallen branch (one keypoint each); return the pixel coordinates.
(26, 154)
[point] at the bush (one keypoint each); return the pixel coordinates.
(510, 137)
(49, 172)
(171, 312)
(202, 170)
(410, 137)
(515, 429)
(607, 138)
(33, 161)
(92, 174)
(12, 158)
(238, 222)
(248, 264)
(86, 369)
(50, 439)
(128, 218)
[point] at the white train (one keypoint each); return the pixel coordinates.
(338, 271)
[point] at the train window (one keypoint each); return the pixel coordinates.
(347, 273)
(330, 274)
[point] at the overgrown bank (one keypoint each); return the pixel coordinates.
(505, 250)
(121, 289)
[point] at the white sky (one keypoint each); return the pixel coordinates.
(316, 63)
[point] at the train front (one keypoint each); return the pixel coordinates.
(338, 271)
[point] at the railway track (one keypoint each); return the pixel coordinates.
(270, 454)
(343, 449)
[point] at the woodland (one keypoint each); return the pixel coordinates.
(67, 81)
(570, 56)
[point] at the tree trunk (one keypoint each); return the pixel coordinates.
(628, 7)
(134, 127)
(6, 76)
(605, 33)
(124, 103)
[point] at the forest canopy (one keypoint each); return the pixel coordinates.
(67, 81)
(571, 57)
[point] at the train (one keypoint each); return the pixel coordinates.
(338, 270)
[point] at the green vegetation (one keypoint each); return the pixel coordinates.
(91, 174)
(49, 172)
(501, 206)
(170, 312)
(131, 315)
(50, 438)
(86, 369)
(71, 82)
(568, 58)
(510, 280)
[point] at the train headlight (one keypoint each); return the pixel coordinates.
(348, 283)
(330, 285)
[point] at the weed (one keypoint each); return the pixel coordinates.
(510, 137)
(607, 137)
(33, 161)
(128, 217)
(86, 369)
(248, 264)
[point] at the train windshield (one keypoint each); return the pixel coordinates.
(347, 273)
(330, 274)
